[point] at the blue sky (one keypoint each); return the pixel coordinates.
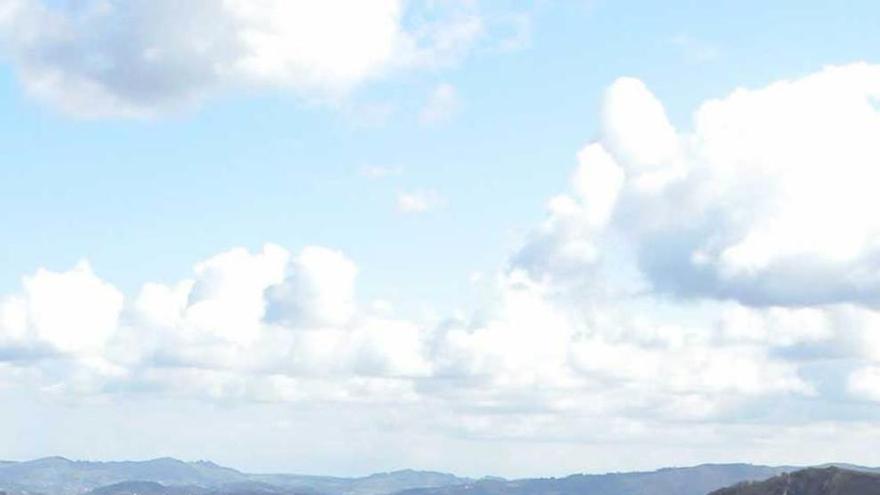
(479, 123)
(250, 168)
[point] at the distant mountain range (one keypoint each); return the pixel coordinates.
(60, 476)
(166, 476)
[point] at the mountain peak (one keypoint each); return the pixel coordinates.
(167, 460)
(52, 460)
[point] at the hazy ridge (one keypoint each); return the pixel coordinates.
(167, 476)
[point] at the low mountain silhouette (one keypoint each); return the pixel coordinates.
(697, 480)
(166, 476)
(813, 481)
(61, 476)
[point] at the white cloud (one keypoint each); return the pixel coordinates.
(227, 299)
(318, 289)
(597, 180)
(865, 383)
(756, 223)
(139, 58)
(635, 128)
(249, 326)
(419, 201)
(71, 313)
(769, 193)
(441, 105)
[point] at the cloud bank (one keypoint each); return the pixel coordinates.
(687, 284)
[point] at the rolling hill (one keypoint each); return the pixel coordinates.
(813, 481)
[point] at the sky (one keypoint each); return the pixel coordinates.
(507, 238)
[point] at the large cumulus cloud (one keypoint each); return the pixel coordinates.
(768, 200)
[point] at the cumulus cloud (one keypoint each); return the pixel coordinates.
(768, 194)
(72, 312)
(758, 215)
(317, 290)
(245, 326)
(140, 58)
(565, 246)
(635, 128)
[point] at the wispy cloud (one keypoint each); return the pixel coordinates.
(695, 50)
(441, 105)
(419, 201)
